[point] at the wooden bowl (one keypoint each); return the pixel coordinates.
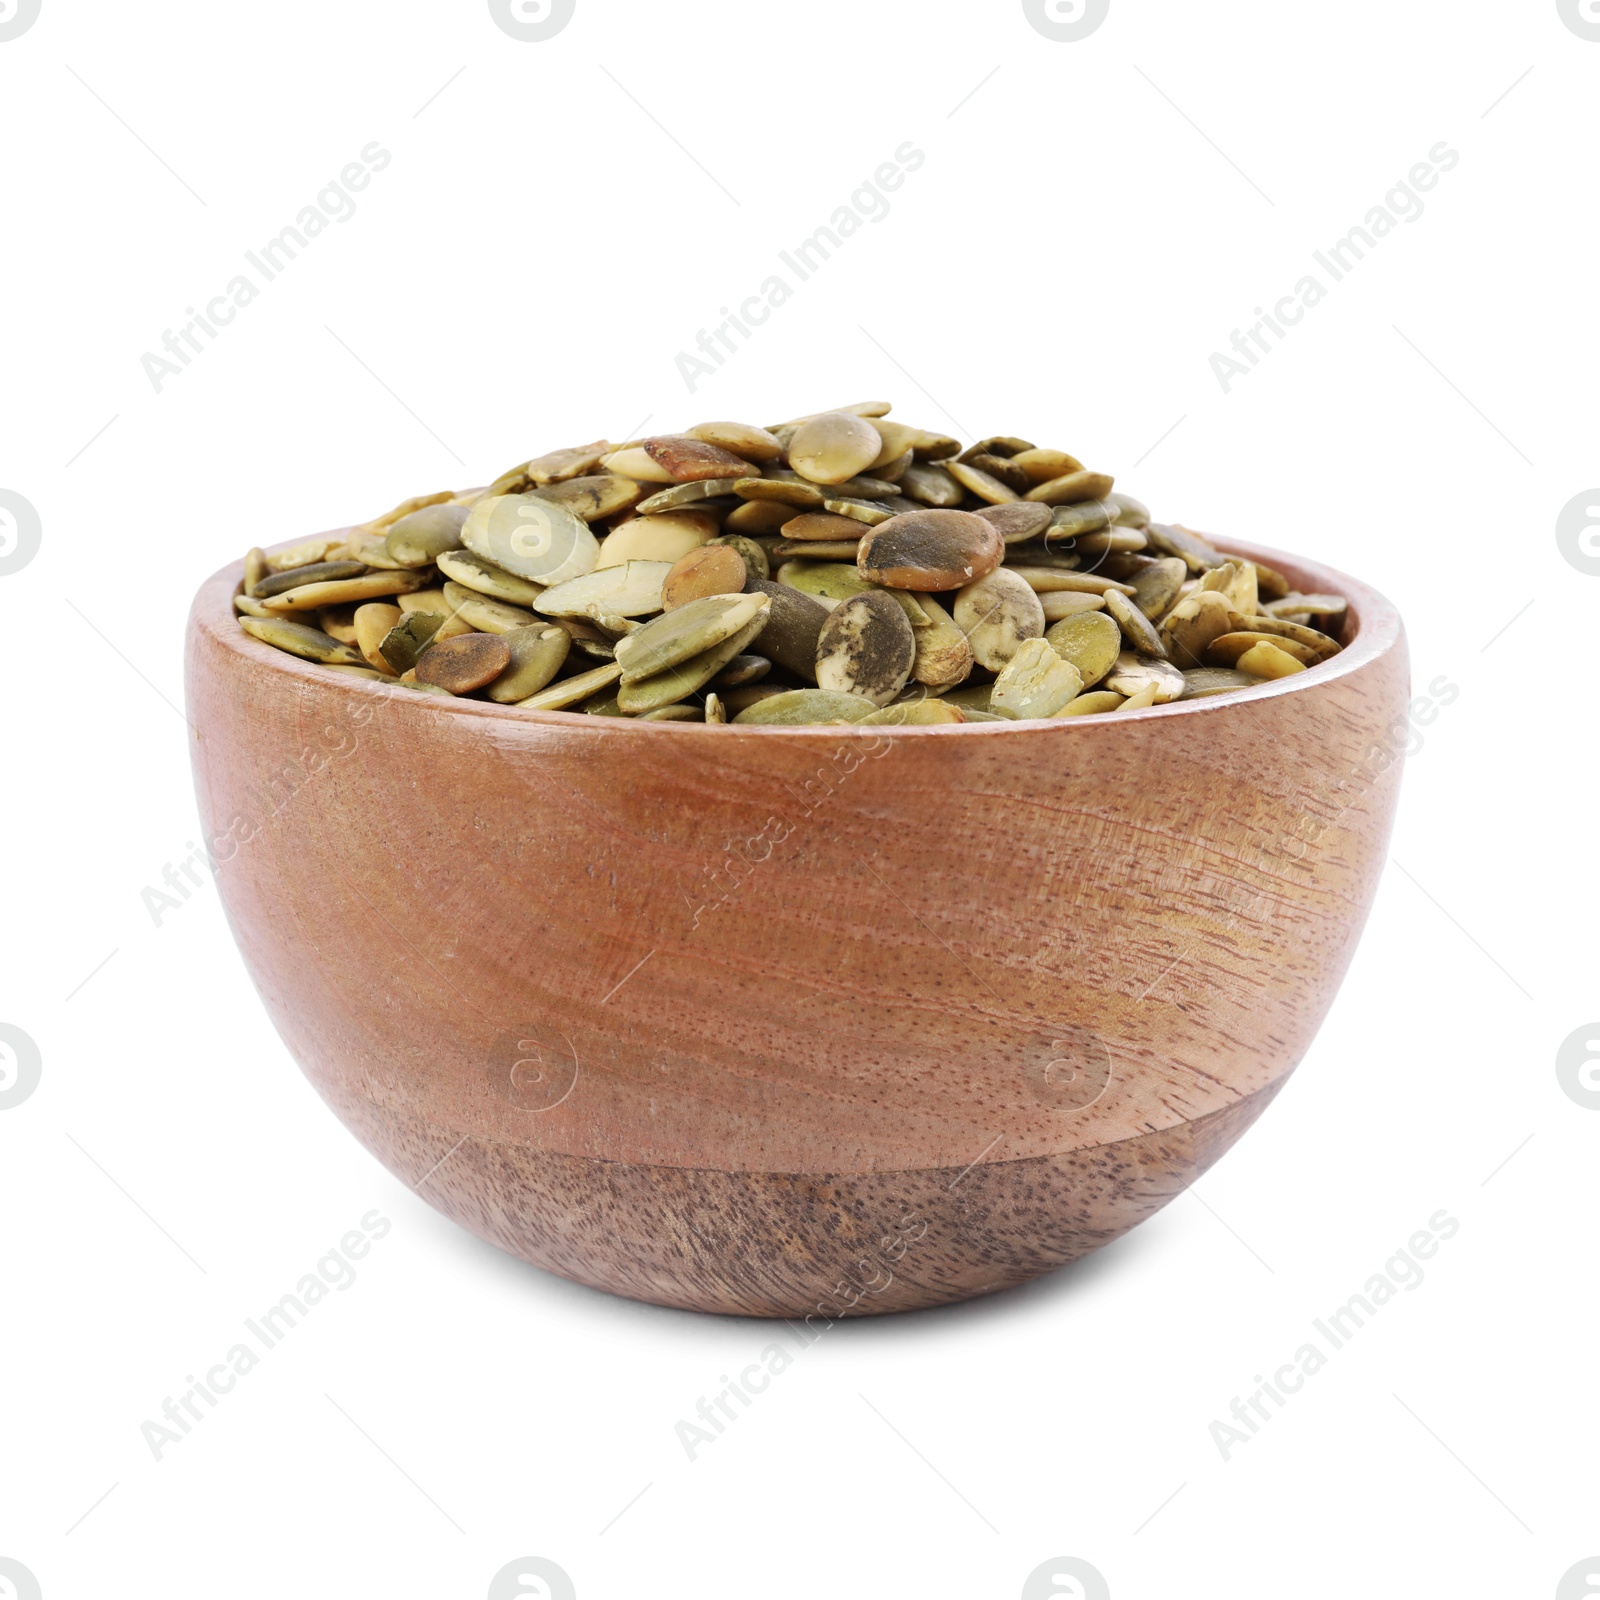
(796, 1022)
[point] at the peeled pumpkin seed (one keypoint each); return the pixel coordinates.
(691, 460)
(532, 537)
(464, 663)
(834, 446)
(635, 579)
(537, 654)
(1191, 625)
(740, 439)
(310, 644)
(419, 538)
(675, 636)
(944, 657)
(933, 486)
(483, 615)
(712, 569)
(663, 537)
(1269, 660)
(1017, 521)
(1141, 699)
(975, 481)
(1204, 681)
(1045, 466)
(1132, 673)
(1156, 588)
(685, 678)
(997, 613)
(1036, 682)
(344, 591)
(1060, 603)
(799, 706)
(1136, 627)
(1316, 605)
(634, 461)
(373, 623)
(818, 549)
(793, 624)
(630, 590)
(1226, 650)
(755, 558)
(1093, 704)
(473, 572)
(569, 691)
(930, 551)
(294, 577)
(404, 643)
(1092, 642)
(914, 714)
(866, 647)
(1071, 487)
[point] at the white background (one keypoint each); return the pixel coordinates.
(557, 222)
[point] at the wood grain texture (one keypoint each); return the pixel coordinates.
(699, 1014)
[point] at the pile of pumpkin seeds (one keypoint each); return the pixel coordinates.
(840, 567)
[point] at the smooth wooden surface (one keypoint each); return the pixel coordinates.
(697, 1013)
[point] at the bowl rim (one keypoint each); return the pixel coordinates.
(1374, 619)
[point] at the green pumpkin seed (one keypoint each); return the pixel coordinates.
(798, 707)
(569, 691)
(975, 481)
(538, 653)
(834, 446)
(1131, 513)
(473, 572)
(1314, 605)
(1017, 521)
(674, 713)
(756, 517)
(531, 537)
(347, 591)
(678, 682)
(933, 486)
(741, 438)
(818, 549)
(1093, 704)
(869, 512)
(318, 572)
(677, 636)
(1136, 627)
(944, 657)
(1103, 541)
(1061, 603)
(970, 697)
(630, 590)
(866, 647)
(1132, 673)
(828, 581)
(716, 712)
(1072, 487)
(404, 643)
(914, 714)
(682, 495)
(594, 497)
(1070, 522)
(1280, 629)
(794, 623)
(1046, 466)
(1058, 580)
(755, 558)
(419, 538)
(1155, 589)
(1036, 682)
(794, 492)
(1203, 681)
(1092, 642)
(559, 465)
(1168, 539)
(997, 613)
(246, 607)
(310, 644)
